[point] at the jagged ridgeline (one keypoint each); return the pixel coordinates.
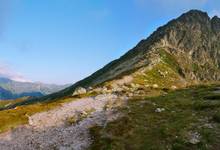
(184, 51)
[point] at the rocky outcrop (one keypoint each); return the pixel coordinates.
(79, 91)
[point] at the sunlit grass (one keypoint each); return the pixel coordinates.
(12, 118)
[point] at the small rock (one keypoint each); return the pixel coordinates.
(159, 110)
(98, 90)
(194, 138)
(155, 86)
(132, 85)
(173, 87)
(125, 88)
(147, 86)
(154, 104)
(208, 125)
(105, 90)
(130, 95)
(84, 113)
(161, 73)
(90, 88)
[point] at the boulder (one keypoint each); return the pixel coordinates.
(105, 90)
(90, 88)
(155, 86)
(79, 91)
(98, 90)
(130, 94)
(173, 87)
(159, 110)
(194, 137)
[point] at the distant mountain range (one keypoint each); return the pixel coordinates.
(10, 89)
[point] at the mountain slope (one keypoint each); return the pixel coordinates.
(4, 94)
(189, 43)
(128, 104)
(183, 52)
(11, 89)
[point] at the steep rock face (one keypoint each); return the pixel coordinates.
(192, 40)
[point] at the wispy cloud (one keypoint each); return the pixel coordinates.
(7, 72)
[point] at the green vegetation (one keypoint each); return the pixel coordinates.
(187, 113)
(160, 74)
(12, 118)
(165, 74)
(195, 67)
(5, 103)
(216, 117)
(169, 60)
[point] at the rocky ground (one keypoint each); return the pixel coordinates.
(63, 128)
(149, 119)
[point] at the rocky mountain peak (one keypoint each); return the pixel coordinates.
(185, 31)
(184, 51)
(215, 18)
(216, 24)
(188, 45)
(195, 15)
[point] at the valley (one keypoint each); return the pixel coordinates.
(10, 89)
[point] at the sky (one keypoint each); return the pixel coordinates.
(63, 41)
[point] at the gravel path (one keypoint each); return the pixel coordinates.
(49, 130)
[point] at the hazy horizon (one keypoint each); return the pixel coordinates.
(61, 42)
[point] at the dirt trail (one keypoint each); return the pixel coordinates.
(48, 130)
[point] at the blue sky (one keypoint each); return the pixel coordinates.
(62, 41)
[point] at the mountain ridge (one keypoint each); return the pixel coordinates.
(186, 47)
(156, 40)
(163, 93)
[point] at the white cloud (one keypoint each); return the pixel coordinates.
(7, 72)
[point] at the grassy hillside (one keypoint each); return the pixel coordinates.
(12, 118)
(187, 116)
